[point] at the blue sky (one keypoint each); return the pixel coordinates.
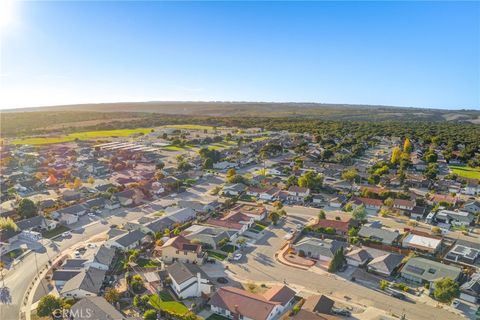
(423, 54)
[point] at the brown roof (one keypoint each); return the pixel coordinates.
(316, 303)
(404, 203)
(182, 243)
(241, 302)
(224, 224)
(282, 294)
(298, 189)
(371, 202)
(373, 189)
(249, 209)
(335, 224)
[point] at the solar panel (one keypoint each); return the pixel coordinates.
(415, 270)
(459, 249)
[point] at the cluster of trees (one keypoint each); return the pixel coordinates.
(209, 157)
(309, 179)
(337, 261)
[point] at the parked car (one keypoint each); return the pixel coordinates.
(91, 245)
(398, 295)
(299, 226)
(66, 234)
(455, 303)
(237, 256)
(91, 214)
(77, 254)
(288, 236)
(341, 312)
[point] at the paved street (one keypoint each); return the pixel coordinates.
(260, 265)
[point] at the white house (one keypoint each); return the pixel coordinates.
(456, 218)
(127, 241)
(188, 280)
(223, 165)
(472, 207)
(298, 193)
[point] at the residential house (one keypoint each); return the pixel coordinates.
(472, 207)
(340, 227)
(209, 236)
(68, 218)
(224, 165)
(337, 202)
(417, 213)
(129, 197)
(422, 241)
(77, 209)
(181, 215)
(257, 212)
(234, 189)
(102, 258)
(236, 221)
(181, 249)
(402, 204)
(71, 195)
(420, 270)
(318, 304)
(234, 303)
(320, 249)
(358, 257)
(464, 251)
(298, 194)
(127, 241)
(87, 283)
(456, 218)
(159, 225)
(378, 234)
(368, 203)
(470, 290)
(36, 223)
(98, 308)
(188, 280)
(472, 187)
(386, 264)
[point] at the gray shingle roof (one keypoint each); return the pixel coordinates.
(181, 272)
(385, 236)
(90, 280)
(99, 309)
(429, 270)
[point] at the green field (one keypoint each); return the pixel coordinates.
(466, 172)
(188, 127)
(168, 306)
(87, 135)
(148, 263)
(216, 255)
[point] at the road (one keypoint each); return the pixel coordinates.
(260, 265)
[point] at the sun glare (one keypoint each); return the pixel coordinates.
(7, 13)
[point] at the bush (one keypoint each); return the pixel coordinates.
(383, 284)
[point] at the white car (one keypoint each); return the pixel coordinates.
(291, 231)
(91, 245)
(299, 226)
(455, 303)
(237, 256)
(288, 236)
(91, 214)
(66, 234)
(77, 254)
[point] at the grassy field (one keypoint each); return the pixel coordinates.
(176, 148)
(189, 127)
(169, 306)
(87, 135)
(466, 172)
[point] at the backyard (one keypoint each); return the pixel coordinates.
(216, 255)
(466, 172)
(165, 302)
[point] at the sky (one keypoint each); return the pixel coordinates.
(414, 54)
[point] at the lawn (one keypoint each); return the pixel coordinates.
(54, 232)
(216, 255)
(177, 148)
(168, 306)
(258, 227)
(228, 248)
(147, 263)
(259, 139)
(86, 135)
(466, 172)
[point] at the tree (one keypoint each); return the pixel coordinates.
(389, 202)
(277, 205)
(311, 180)
(47, 305)
(77, 183)
(436, 230)
(160, 165)
(112, 295)
(231, 173)
(91, 180)
(208, 163)
(407, 145)
(350, 175)
(241, 242)
(396, 155)
(383, 284)
(274, 217)
(445, 290)
(337, 261)
(27, 208)
(7, 224)
(150, 314)
(321, 215)
(359, 213)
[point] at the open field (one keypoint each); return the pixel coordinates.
(466, 172)
(87, 135)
